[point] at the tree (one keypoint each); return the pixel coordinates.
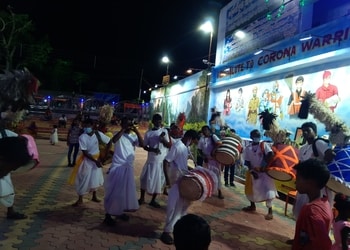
(79, 78)
(18, 45)
(60, 75)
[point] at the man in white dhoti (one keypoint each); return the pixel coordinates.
(207, 145)
(156, 143)
(120, 187)
(176, 159)
(259, 186)
(87, 174)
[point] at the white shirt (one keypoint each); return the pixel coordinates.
(306, 151)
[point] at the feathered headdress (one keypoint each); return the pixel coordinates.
(181, 120)
(271, 127)
(16, 90)
(339, 133)
(106, 113)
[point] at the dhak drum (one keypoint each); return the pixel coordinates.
(281, 166)
(198, 184)
(339, 168)
(229, 151)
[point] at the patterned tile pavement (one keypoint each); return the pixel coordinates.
(44, 195)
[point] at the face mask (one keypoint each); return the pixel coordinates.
(256, 139)
(87, 130)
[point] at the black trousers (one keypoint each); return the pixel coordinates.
(229, 173)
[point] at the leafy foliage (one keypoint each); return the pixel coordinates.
(19, 44)
(195, 125)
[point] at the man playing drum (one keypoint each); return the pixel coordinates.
(259, 186)
(176, 161)
(206, 146)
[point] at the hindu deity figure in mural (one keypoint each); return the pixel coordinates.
(276, 100)
(253, 107)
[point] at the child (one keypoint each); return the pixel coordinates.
(54, 135)
(315, 218)
(341, 224)
(192, 232)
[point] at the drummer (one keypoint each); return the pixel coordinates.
(207, 145)
(313, 148)
(259, 186)
(176, 162)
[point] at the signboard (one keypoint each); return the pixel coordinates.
(263, 22)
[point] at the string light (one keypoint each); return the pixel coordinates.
(281, 9)
(268, 16)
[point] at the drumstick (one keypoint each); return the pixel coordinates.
(192, 157)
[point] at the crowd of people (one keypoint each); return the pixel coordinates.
(168, 153)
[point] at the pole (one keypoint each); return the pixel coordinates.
(210, 43)
(206, 93)
(140, 85)
(167, 69)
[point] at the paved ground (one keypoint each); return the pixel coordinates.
(44, 195)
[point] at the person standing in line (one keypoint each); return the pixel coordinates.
(176, 161)
(341, 223)
(314, 148)
(156, 143)
(259, 186)
(87, 173)
(73, 142)
(120, 187)
(192, 232)
(54, 135)
(12, 156)
(206, 146)
(315, 219)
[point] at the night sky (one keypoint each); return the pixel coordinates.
(113, 41)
